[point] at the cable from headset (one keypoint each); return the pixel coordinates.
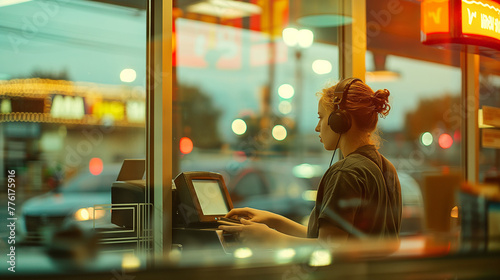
(334, 151)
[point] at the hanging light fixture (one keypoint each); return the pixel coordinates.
(321, 13)
(381, 73)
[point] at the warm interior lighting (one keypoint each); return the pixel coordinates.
(225, 8)
(480, 120)
(382, 76)
(380, 72)
(454, 212)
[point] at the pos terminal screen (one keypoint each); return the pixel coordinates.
(210, 196)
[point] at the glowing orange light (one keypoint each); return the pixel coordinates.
(95, 166)
(454, 212)
(445, 141)
(186, 145)
(435, 16)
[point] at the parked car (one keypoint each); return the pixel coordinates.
(75, 202)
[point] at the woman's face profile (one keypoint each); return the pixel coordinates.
(326, 134)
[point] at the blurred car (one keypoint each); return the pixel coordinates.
(73, 203)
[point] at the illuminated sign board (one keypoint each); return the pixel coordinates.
(463, 22)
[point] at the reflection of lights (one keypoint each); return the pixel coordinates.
(320, 258)
(128, 75)
(239, 126)
(285, 255)
(95, 166)
(454, 212)
(186, 145)
(243, 253)
(279, 132)
(426, 139)
(286, 91)
(321, 66)
(285, 107)
(304, 37)
(84, 214)
(228, 9)
(130, 261)
(445, 141)
(309, 195)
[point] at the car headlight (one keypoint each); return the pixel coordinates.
(88, 213)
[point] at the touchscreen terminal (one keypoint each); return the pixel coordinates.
(210, 196)
(202, 198)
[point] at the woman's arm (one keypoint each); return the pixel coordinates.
(260, 235)
(272, 220)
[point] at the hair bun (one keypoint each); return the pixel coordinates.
(381, 102)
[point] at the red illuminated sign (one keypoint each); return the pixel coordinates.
(462, 22)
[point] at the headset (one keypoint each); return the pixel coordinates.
(339, 120)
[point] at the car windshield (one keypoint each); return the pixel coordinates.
(89, 183)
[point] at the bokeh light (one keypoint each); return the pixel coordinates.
(285, 107)
(239, 126)
(128, 75)
(96, 166)
(279, 132)
(445, 141)
(426, 139)
(321, 66)
(186, 145)
(286, 91)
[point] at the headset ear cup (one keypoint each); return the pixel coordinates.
(339, 121)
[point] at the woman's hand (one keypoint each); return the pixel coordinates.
(253, 234)
(255, 216)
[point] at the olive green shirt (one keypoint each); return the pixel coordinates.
(356, 196)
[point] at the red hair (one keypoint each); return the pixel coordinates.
(362, 104)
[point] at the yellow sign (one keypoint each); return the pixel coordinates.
(481, 18)
(113, 109)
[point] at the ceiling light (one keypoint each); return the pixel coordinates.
(225, 8)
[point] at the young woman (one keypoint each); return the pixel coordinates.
(358, 197)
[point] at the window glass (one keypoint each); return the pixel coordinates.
(72, 99)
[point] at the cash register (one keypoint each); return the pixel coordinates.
(199, 200)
